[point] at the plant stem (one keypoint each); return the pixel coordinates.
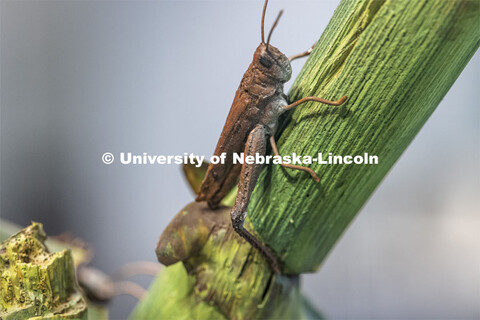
(395, 60)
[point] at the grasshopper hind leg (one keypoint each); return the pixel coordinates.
(256, 143)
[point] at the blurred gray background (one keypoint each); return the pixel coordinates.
(82, 78)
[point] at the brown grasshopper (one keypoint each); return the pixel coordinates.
(252, 120)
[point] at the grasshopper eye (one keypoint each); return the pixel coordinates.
(264, 61)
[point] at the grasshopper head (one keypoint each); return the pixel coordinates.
(272, 63)
(268, 59)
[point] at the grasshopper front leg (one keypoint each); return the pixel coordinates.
(303, 54)
(256, 143)
(339, 102)
(293, 105)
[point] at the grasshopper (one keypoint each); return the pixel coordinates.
(251, 122)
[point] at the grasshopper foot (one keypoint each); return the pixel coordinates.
(264, 250)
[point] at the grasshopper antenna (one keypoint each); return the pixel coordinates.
(273, 27)
(263, 20)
